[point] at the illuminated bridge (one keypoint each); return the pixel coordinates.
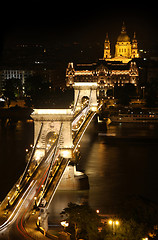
(57, 134)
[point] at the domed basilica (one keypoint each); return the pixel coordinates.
(125, 50)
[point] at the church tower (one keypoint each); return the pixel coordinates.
(123, 44)
(107, 54)
(134, 48)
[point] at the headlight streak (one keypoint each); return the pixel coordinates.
(23, 231)
(32, 190)
(25, 201)
(24, 197)
(57, 186)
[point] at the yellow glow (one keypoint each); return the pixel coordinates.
(94, 109)
(52, 111)
(66, 153)
(89, 84)
(64, 224)
(38, 154)
(110, 222)
(86, 72)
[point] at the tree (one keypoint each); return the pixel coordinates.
(33, 85)
(13, 89)
(140, 212)
(125, 230)
(83, 221)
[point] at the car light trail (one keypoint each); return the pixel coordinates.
(24, 197)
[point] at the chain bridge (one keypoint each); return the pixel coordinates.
(57, 135)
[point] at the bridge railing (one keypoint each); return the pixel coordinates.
(32, 154)
(79, 134)
(52, 161)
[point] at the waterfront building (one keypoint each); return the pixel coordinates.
(109, 71)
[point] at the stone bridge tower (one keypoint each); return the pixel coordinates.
(52, 120)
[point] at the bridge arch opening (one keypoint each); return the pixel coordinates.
(85, 100)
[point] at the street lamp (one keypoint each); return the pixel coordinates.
(8, 205)
(114, 224)
(64, 224)
(18, 187)
(97, 211)
(39, 220)
(143, 88)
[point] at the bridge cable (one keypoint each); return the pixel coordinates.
(52, 161)
(90, 97)
(32, 154)
(76, 101)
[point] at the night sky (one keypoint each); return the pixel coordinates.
(50, 23)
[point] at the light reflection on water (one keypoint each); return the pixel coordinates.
(117, 168)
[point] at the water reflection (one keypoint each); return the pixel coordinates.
(118, 167)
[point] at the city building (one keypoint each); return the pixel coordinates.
(109, 71)
(125, 50)
(24, 60)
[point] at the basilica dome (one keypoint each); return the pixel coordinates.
(123, 37)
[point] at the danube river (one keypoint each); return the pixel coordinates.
(120, 162)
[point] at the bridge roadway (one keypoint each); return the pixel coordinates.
(12, 219)
(19, 203)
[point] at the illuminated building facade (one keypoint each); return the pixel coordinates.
(125, 50)
(109, 72)
(105, 74)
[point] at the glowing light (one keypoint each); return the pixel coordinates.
(66, 153)
(64, 224)
(110, 222)
(38, 154)
(52, 111)
(86, 84)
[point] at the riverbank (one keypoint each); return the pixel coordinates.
(14, 114)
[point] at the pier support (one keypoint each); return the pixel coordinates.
(73, 179)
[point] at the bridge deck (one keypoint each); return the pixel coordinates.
(77, 137)
(55, 180)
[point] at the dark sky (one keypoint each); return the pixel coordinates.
(51, 22)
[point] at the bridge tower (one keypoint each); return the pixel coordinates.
(51, 120)
(83, 91)
(84, 87)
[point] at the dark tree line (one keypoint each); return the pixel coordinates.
(136, 219)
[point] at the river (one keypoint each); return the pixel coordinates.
(120, 163)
